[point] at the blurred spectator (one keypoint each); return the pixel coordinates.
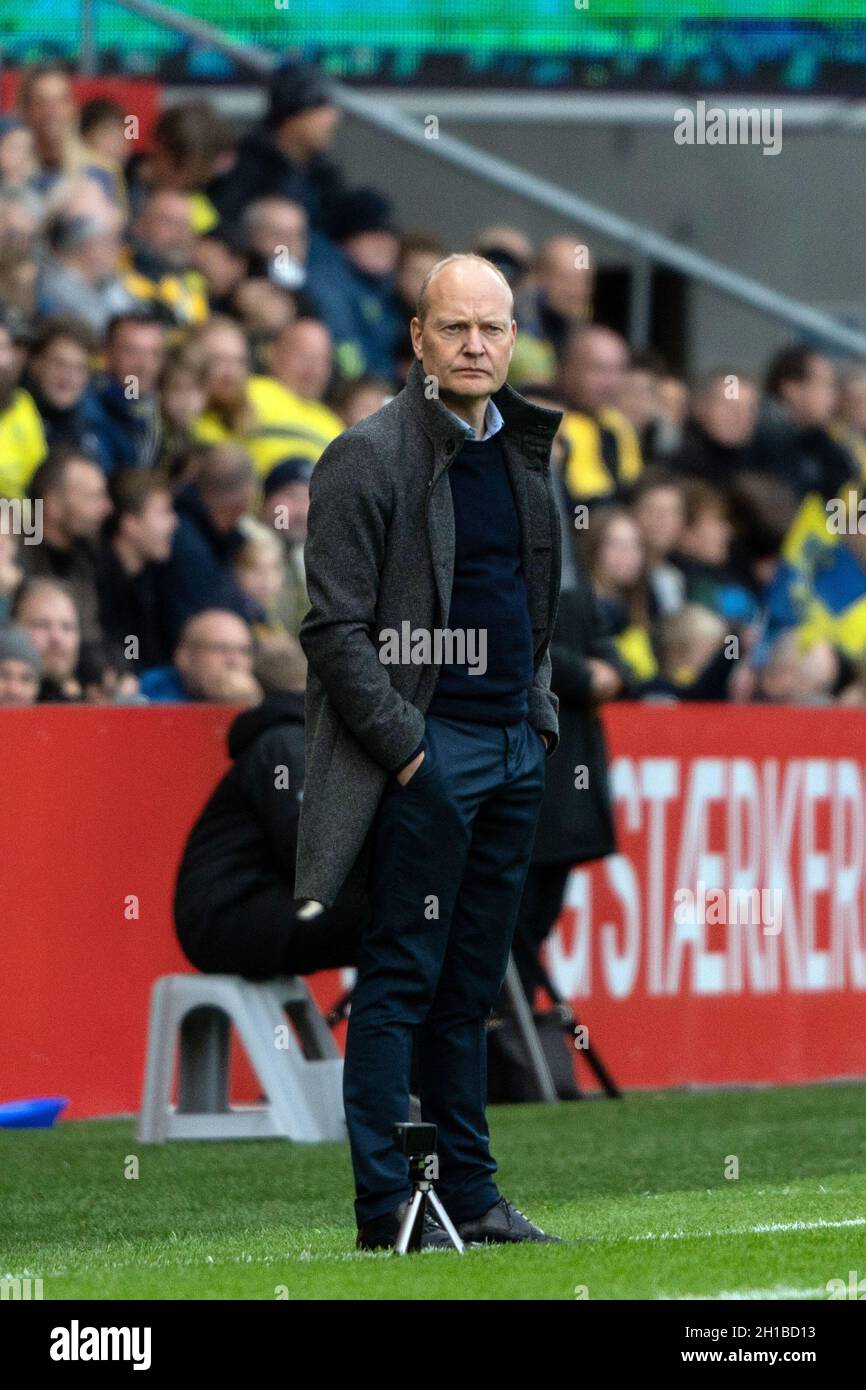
(510, 250)
(604, 451)
(82, 196)
(159, 272)
(17, 153)
(200, 570)
(20, 222)
(105, 676)
(703, 555)
(58, 374)
(221, 263)
(80, 274)
(799, 671)
(284, 508)
(616, 566)
(355, 400)
(562, 300)
(761, 509)
(353, 285)
(260, 569)
(213, 661)
(694, 662)
(672, 394)
(20, 666)
(418, 254)
(302, 362)
(658, 508)
(182, 399)
(793, 438)
(256, 412)
(46, 101)
(263, 309)
(849, 427)
(105, 147)
(135, 549)
(852, 398)
(22, 438)
(718, 438)
(276, 238)
(46, 609)
(191, 145)
(285, 156)
(123, 410)
(638, 400)
(75, 503)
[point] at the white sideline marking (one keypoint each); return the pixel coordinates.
(743, 1294)
(761, 1229)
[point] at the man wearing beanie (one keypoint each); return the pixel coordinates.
(285, 156)
(351, 280)
(433, 568)
(20, 667)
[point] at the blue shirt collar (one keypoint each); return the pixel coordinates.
(493, 422)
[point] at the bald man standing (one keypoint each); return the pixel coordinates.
(433, 569)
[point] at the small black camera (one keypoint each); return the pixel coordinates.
(414, 1140)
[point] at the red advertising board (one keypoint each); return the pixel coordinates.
(726, 941)
(678, 982)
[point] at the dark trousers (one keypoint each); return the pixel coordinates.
(263, 936)
(450, 854)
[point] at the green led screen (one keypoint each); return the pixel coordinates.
(794, 46)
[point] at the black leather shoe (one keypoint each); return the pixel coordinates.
(503, 1224)
(382, 1232)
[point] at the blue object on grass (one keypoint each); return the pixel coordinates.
(32, 1114)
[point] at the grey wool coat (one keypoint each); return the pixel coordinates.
(380, 554)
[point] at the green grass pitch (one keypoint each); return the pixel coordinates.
(637, 1185)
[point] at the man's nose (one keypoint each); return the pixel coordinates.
(473, 343)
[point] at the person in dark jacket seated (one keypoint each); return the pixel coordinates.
(234, 908)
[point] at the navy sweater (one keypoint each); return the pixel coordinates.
(488, 595)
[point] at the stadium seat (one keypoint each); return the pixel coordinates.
(301, 1081)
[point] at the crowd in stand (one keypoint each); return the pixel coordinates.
(184, 330)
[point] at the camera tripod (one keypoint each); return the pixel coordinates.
(418, 1143)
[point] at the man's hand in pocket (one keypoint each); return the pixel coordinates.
(407, 773)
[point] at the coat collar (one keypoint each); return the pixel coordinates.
(530, 427)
